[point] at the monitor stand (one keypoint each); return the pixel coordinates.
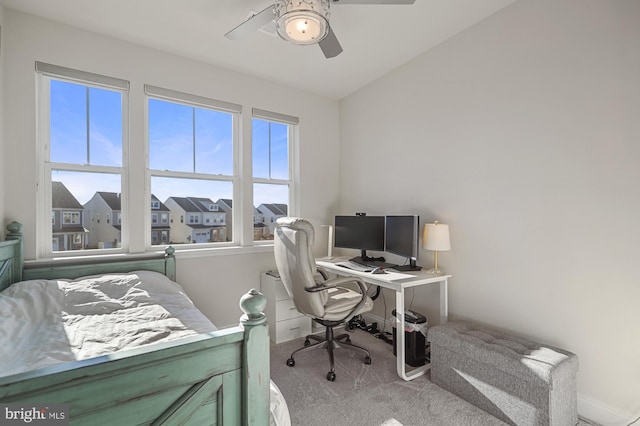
(365, 260)
(410, 267)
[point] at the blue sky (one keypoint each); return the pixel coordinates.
(181, 138)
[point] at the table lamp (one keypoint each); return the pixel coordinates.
(436, 238)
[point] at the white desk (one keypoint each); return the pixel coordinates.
(397, 281)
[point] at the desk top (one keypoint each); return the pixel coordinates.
(392, 279)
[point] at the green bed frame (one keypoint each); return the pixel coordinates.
(218, 378)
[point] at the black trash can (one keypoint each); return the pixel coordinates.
(414, 342)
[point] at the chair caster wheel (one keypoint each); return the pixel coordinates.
(367, 360)
(306, 342)
(331, 376)
(291, 362)
(347, 341)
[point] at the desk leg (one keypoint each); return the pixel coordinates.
(400, 341)
(444, 301)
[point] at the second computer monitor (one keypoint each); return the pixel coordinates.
(402, 239)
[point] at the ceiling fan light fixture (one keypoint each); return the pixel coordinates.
(302, 21)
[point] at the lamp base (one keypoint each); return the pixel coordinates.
(436, 272)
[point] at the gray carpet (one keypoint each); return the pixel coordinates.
(365, 395)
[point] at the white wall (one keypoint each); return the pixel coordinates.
(216, 282)
(2, 156)
(522, 134)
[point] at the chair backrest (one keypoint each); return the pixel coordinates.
(293, 242)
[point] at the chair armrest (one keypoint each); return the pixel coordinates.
(337, 282)
(323, 272)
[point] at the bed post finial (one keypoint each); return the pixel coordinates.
(255, 359)
(252, 304)
(14, 230)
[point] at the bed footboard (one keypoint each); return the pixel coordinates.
(219, 378)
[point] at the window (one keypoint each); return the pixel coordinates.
(192, 156)
(272, 136)
(82, 135)
(194, 183)
(71, 218)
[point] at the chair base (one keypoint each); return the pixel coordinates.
(329, 342)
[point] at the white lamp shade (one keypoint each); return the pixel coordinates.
(436, 237)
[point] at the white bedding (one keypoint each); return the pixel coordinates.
(45, 322)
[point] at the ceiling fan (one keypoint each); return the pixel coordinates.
(302, 22)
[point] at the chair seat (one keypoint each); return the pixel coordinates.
(341, 301)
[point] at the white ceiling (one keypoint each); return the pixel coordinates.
(376, 39)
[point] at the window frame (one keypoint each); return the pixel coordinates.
(291, 182)
(196, 101)
(45, 73)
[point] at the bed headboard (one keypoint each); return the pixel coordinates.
(13, 268)
(11, 259)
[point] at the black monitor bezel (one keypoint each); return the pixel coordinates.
(412, 233)
(375, 224)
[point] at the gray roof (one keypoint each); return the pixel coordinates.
(277, 209)
(112, 199)
(193, 204)
(68, 229)
(226, 201)
(62, 198)
(202, 202)
(185, 204)
(162, 206)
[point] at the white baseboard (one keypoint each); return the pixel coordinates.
(588, 408)
(602, 414)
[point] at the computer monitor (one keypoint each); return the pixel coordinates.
(401, 238)
(359, 232)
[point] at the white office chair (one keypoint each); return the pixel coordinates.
(314, 295)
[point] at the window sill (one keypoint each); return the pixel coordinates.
(179, 254)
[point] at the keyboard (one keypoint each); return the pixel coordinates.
(355, 266)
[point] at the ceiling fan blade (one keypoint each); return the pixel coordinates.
(373, 1)
(330, 45)
(252, 24)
